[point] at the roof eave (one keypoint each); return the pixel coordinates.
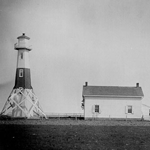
(121, 96)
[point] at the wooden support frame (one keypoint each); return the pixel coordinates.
(27, 96)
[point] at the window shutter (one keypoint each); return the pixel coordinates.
(93, 109)
(100, 110)
(132, 110)
(126, 109)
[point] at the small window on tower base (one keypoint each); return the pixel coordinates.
(20, 72)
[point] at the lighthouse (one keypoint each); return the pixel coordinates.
(22, 102)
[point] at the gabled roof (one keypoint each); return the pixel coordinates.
(112, 91)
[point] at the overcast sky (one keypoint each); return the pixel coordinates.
(104, 42)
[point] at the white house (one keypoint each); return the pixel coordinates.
(112, 102)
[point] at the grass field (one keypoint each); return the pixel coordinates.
(56, 134)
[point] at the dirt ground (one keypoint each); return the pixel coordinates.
(54, 134)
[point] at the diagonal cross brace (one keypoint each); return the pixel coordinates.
(33, 104)
(6, 103)
(19, 107)
(36, 105)
(9, 101)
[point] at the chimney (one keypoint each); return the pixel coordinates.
(137, 84)
(86, 83)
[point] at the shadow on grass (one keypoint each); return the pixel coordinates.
(34, 137)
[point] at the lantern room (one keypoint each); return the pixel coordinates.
(23, 43)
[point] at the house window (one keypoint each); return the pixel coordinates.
(130, 110)
(21, 55)
(97, 108)
(20, 72)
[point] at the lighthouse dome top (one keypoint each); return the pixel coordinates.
(23, 43)
(23, 36)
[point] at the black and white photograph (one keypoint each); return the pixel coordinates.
(75, 74)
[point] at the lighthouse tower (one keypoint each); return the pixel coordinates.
(22, 101)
